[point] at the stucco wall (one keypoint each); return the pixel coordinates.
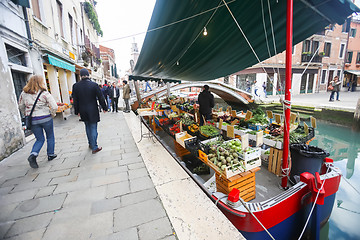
(11, 133)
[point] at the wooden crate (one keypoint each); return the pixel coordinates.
(244, 182)
(275, 161)
(180, 150)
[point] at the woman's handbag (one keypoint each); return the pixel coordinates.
(330, 88)
(28, 119)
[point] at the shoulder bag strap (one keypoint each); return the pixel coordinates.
(33, 107)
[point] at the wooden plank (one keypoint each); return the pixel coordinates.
(246, 180)
(279, 163)
(275, 157)
(271, 159)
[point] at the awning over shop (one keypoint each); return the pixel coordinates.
(60, 63)
(355, 72)
(176, 48)
(24, 3)
(140, 78)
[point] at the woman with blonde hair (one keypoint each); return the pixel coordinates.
(42, 114)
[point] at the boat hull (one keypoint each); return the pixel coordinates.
(285, 218)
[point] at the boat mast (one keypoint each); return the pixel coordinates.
(287, 102)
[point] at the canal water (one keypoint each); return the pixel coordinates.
(343, 144)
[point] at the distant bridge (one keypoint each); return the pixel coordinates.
(226, 92)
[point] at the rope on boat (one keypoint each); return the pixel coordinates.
(346, 181)
(242, 202)
(312, 208)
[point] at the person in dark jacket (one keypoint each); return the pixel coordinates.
(114, 95)
(206, 103)
(85, 96)
(106, 93)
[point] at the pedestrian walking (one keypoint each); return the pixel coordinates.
(335, 88)
(126, 96)
(114, 95)
(248, 85)
(206, 103)
(106, 93)
(264, 87)
(147, 85)
(86, 94)
(38, 104)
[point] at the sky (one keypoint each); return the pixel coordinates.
(121, 18)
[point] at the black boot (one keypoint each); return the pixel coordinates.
(51, 157)
(32, 161)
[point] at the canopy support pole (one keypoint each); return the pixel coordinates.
(168, 89)
(287, 102)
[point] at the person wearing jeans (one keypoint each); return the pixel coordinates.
(42, 120)
(86, 95)
(335, 83)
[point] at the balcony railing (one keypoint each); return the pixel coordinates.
(307, 57)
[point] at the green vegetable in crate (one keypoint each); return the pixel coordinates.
(209, 130)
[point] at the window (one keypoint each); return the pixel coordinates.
(349, 56)
(343, 27)
(36, 8)
(60, 14)
(358, 58)
(352, 32)
(342, 47)
(306, 46)
(327, 49)
(15, 55)
(19, 80)
(323, 76)
(315, 46)
(71, 29)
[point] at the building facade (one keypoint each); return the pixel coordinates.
(109, 66)
(352, 59)
(315, 62)
(52, 38)
(15, 68)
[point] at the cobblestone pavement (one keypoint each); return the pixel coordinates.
(80, 195)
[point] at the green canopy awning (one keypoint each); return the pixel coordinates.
(24, 3)
(60, 63)
(175, 48)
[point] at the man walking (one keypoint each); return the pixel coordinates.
(114, 94)
(126, 96)
(85, 96)
(206, 103)
(106, 92)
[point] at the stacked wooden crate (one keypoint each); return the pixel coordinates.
(275, 161)
(245, 182)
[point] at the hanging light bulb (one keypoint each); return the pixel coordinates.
(205, 32)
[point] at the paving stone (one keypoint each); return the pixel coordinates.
(30, 224)
(19, 180)
(31, 185)
(67, 213)
(65, 179)
(117, 189)
(157, 229)
(127, 234)
(138, 173)
(91, 174)
(172, 237)
(126, 156)
(105, 205)
(128, 161)
(45, 191)
(137, 197)
(5, 190)
(34, 235)
(12, 173)
(5, 211)
(136, 165)
(109, 179)
(38, 206)
(4, 228)
(137, 214)
(18, 196)
(105, 165)
(116, 170)
(84, 196)
(93, 227)
(67, 164)
(50, 175)
(117, 152)
(72, 186)
(139, 184)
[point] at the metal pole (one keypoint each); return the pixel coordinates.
(168, 89)
(287, 102)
